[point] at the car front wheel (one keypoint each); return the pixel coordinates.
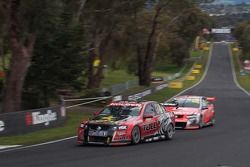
(169, 133)
(135, 135)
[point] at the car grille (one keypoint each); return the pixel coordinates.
(179, 116)
(180, 124)
(97, 139)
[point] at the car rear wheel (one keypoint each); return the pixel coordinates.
(136, 135)
(213, 121)
(169, 133)
(201, 124)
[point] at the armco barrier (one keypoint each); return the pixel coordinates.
(31, 120)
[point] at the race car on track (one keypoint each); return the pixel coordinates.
(127, 122)
(192, 112)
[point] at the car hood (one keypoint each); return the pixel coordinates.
(186, 111)
(110, 119)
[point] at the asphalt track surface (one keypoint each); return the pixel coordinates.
(227, 143)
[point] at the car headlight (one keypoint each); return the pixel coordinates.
(84, 126)
(194, 116)
(122, 127)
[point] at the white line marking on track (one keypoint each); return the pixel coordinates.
(8, 146)
(35, 145)
(234, 73)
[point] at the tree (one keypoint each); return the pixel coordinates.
(164, 11)
(241, 32)
(102, 20)
(58, 60)
(22, 48)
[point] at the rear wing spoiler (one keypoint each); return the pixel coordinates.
(211, 99)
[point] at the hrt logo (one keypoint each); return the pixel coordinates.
(35, 118)
(1, 126)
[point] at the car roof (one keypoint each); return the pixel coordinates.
(118, 103)
(189, 96)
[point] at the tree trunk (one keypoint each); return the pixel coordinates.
(146, 67)
(15, 80)
(21, 56)
(91, 71)
(140, 62)
(95, 76)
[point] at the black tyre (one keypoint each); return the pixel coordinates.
(213, 121)
(201, 124)
(169, 132)
(135, 135)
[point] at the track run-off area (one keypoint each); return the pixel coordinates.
(225, 144)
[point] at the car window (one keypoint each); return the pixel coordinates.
(158, 109)
(121, 111)
(189, 102)
(150, 109)
(204, 103)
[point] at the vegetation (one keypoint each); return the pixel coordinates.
(242, 33)
(46, 46)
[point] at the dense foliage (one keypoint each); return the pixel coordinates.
(55, 44)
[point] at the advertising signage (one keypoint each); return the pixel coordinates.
(31, 120)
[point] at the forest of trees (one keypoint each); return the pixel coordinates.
(48, 45)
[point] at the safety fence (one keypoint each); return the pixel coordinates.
(122, 87)
(31, 120)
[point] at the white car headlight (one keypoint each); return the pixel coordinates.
(84, 126)
(194, 116)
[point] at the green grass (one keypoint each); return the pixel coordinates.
(116, 77)
(197, 53)
(165, 67)
(244, 81)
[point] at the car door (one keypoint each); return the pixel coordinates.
(149, 124)
(206, 111)
(210, 110)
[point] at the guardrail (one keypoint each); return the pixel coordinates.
(31, 120)
(122, 87)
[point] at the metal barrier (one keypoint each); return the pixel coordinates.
(119, 88)
(86, 101)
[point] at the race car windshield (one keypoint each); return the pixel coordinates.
(188, 102)
(121, 111)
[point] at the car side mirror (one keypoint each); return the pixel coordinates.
(204, 108)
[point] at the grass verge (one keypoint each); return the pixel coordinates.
(244, 80)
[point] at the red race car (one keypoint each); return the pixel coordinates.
(192, 112)
(127, 122)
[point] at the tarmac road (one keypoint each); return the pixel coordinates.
(225, 144)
